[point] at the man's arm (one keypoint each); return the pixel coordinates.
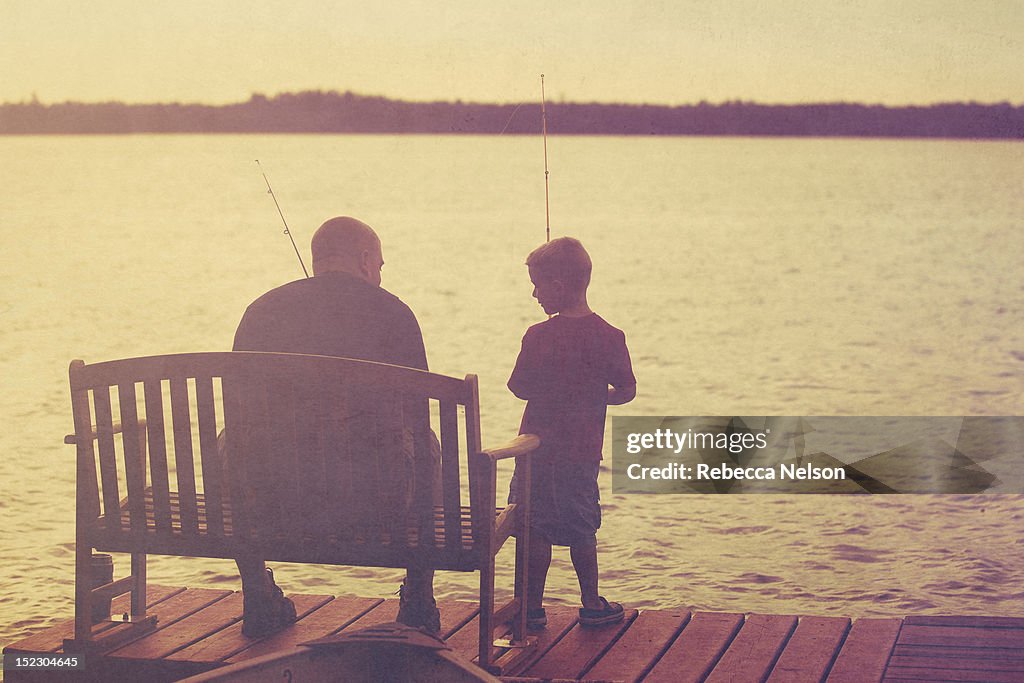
(251, 334)
(404, 341)
(619, 395)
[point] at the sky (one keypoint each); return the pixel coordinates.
(891, 52)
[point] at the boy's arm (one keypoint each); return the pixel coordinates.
(519, 387)
(523, 382)
(621, 379)
(619, 395)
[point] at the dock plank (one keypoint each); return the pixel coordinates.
(199, 629)
(229, 641)
(325, 620)
(962, 636)
(640, 647)
(809, 653)
(381, 613)
(579, 649)
(190, 629)
(755, 649)
(697, 649)
(991, 654)
(454, 616)
(865, 651)
(52, 638)
(560, 619)
(932, 675)
(169, 612)
(969, 622)
(954, 663)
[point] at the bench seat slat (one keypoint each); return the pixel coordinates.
(183, 534)
(281, 547)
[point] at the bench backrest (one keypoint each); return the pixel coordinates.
(312, 448)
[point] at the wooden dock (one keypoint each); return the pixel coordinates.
(199, 629)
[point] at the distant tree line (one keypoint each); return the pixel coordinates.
(335, 112)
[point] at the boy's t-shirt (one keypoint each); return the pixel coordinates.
(563, 371)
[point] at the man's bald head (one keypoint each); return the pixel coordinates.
(347, 245)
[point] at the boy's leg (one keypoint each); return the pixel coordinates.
(596, 610)
(540, 561)
(584, 561)
(586, 507)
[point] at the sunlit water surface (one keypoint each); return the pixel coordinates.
(752, 277)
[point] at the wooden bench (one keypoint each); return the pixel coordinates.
(311, 449)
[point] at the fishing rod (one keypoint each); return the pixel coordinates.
(544, 127)
(288, 232)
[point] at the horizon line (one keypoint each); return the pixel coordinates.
(35, 100)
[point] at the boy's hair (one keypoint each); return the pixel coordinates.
(563, 259)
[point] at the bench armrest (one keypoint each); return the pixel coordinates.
(71, 439)
(523, 444)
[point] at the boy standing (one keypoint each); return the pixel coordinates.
(571, 367)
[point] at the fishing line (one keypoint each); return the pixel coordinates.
(510, 118)
(288, 232)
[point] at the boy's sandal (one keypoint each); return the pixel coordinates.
(609, 613)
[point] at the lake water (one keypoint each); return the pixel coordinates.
(752, 277)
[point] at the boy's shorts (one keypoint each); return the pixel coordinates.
(566, 504)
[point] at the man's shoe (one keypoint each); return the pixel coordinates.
(263, 617)
(608, 613)
(423, 616)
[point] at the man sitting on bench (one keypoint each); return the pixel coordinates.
(340, 311)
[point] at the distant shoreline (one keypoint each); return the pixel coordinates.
(335, 112)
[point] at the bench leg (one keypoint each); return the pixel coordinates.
(83, 593)
(486, 614)
(522, 583)
(138, 585)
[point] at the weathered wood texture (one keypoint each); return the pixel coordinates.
(811, 650)
(640, 647)
(972, 649)
(865, 652)
(698, 648)
(199, 630)
(579, 649)
(754, 650)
